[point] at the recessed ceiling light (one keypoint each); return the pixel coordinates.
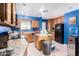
(24, 4)
(43, 10)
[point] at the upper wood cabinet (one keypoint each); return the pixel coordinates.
(35, 24)
(2, 12)
(11, 13)
(49, 25)
(8, 13)
(52, 22)
(62, 19)
(59, 20)
(14, 14)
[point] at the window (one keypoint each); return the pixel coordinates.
(25, 25)
(43, 25)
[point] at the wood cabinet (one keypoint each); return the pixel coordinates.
(28, 36)
(2, 12)
(11, 13)
(3, 41)
(40, 38)
(62, 19)
(35, 24)
(53, 35)
(58, 20)
(52, 22)
(8, 13)
(49, 25)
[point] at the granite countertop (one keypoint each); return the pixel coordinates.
(18, 45)
(29, 32)
(43, 34)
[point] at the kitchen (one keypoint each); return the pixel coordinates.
(35, 29)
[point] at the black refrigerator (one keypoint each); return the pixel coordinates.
(59, 33)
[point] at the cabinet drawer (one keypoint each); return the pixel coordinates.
(4, 38)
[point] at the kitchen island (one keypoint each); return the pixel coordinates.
(40, 38)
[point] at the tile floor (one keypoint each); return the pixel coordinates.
(20, 45)
(60, 50)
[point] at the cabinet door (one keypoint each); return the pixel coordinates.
(62, 19)
(13, 14)
(58, 20)
(8, 12)
(35, 24)
(2, 12)
(53, 23)
(49, 23)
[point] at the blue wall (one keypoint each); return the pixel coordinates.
(67, 25)
(33, 18)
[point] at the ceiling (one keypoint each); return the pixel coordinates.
(45, 10)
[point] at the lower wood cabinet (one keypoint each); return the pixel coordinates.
(28, 36)
(40, 38)
(3, 41)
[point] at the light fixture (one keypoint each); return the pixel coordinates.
(43, 10)
(24, 4)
